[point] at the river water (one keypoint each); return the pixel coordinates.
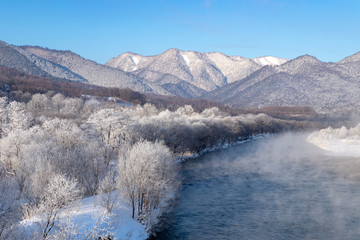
(276, 188)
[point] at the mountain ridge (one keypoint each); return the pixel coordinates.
(206, 71)
(304, 80)
(94, 72)
(235, 80)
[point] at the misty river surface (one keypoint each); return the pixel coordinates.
(275, 188)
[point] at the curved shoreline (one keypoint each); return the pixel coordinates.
(222, 146)
(218, 147)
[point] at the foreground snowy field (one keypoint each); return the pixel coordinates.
(88, 218)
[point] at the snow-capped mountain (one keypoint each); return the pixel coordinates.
(95, 73)
(67, 65)
(190, 73)
(175, 67)
(302, 81)
(17, 58)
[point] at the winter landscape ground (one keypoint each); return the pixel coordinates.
(162, 120)
(82, 157)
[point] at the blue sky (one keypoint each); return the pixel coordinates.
(102, 29)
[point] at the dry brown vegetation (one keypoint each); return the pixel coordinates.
(18, 81)
(25, 83)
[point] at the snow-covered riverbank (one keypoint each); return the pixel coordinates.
(89, 217)
(222, 146)
(340, 141)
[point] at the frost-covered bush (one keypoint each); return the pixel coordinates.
(59, 192)
(108, 194)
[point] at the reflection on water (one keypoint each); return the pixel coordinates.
(268, 189)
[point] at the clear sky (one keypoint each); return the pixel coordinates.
(102, 29)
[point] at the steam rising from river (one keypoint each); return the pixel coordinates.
(282, 187)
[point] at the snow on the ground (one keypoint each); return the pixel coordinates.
(341, 141)
(90, 214)
(220, 146)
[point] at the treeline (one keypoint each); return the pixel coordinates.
(285, 112)
(20, 87)
(187, 131)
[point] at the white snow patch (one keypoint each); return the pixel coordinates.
(136, 61)
(186, 59)
(269, 60)
(87, 215)
(341, 141)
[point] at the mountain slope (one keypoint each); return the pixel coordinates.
(301, 81)
(201, 71)
(95, 73)
(16, 58)
(349, 66)
(234, 68)
(191, 67)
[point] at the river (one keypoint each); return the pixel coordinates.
(276, 188)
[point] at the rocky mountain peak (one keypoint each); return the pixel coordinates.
(352, 58)
(306, 59)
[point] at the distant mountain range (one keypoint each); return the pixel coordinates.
(302, 81)
(190, 73)
(234, 80)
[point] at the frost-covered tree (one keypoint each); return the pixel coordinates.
(73, 153)
(57, 102)
(90, 107)
(3, 116)
(18, 118)
(13, 149)
(147, 177)
(72, 107)
(60, 192)
(108, 125)
(107, 192)
(39, 104)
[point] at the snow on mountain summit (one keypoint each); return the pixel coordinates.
(207, 71)
(269, 60)
(186, 59)
(127, 61)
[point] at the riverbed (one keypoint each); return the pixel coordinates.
(279, 187)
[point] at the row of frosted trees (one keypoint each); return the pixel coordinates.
(55, 150)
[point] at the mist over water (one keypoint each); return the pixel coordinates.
(280, 187)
